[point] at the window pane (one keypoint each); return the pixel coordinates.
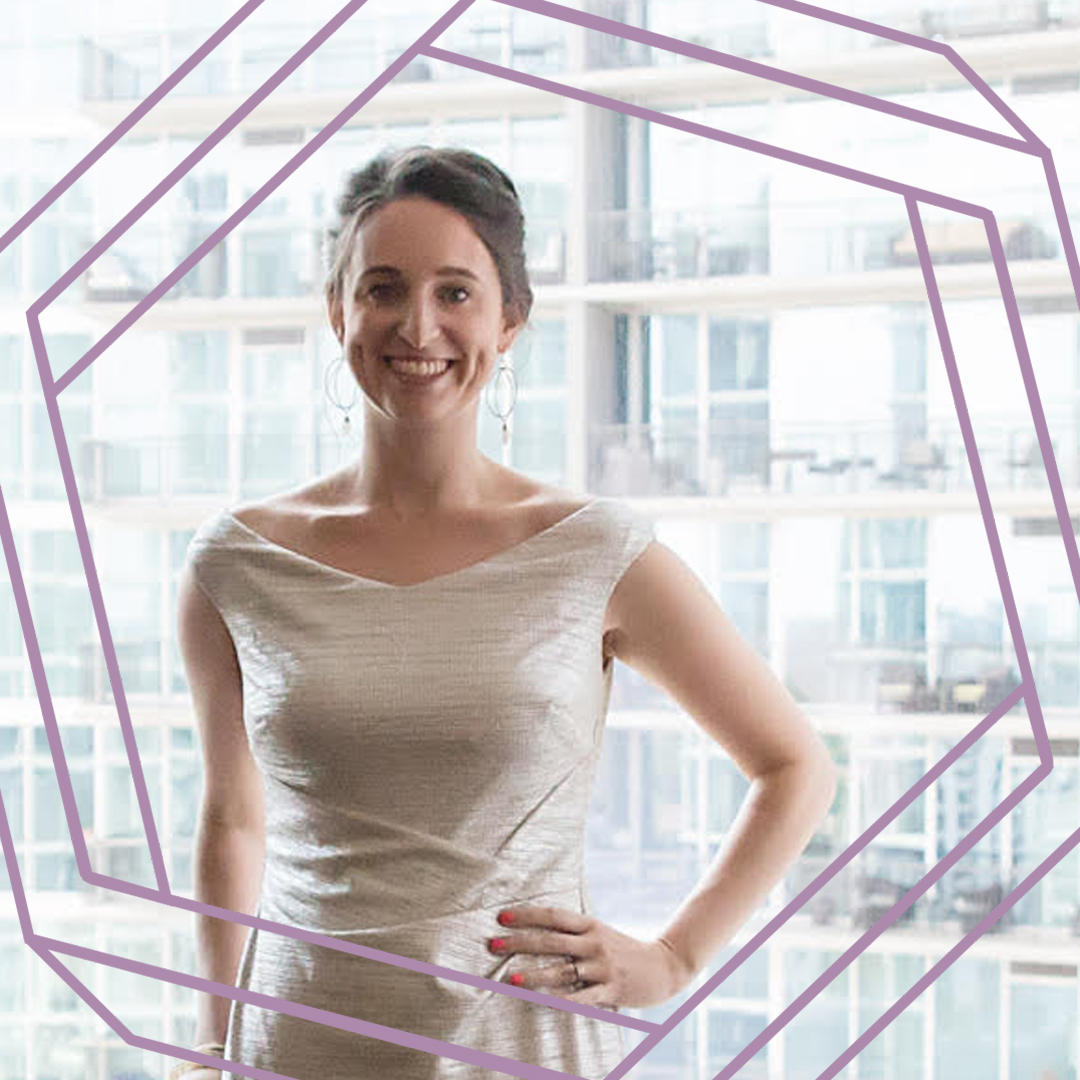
(738, 355)
(1043, 1037)
(199, 362)
(744, 546)
(677, 347)
(63, 617)
(540, 354)
(967, 1024)
(10, 364)
(540, 437)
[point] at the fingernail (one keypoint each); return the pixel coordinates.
(495, 944)
(505, 917)
(517, 980)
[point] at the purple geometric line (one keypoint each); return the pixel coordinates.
(791, 908)
(834, 867)
(999, 106)
(961, 947)
(306, 1012)
(1034, 710)
(45, 947)
(774, 924)
(1038, 727)
(925, 44)
(766, 71)
(982, 494)
(296, 933)
(932, 199)
(376, 954)
(128, 122)
(1064, 228)
(1064, 521)
(51, 391)
(859, 946)
(1042, 433)
(196, 155)
(82, 855)
(37, 669)
(903, 37)
(317, 141)
(80, 988)
(849, 854)
(693, 127)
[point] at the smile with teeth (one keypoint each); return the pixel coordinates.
(422, 368)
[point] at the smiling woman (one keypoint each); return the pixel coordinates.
(401, 674)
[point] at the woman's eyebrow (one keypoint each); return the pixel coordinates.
(459, 271)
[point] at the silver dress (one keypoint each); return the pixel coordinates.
(427, 754)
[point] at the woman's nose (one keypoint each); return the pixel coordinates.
(419, 323)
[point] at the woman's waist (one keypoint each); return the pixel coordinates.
(357, 900)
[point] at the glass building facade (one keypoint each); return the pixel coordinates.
(741, 349)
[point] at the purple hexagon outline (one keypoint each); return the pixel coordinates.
(1029, 144)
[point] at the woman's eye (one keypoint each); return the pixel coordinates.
(378, 290)
(458, 292)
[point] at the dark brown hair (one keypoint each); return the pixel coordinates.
(460, 179)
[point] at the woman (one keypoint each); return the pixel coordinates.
(400, 674)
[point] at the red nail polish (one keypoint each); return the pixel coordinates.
(517, 980)
(495, 944)
(505, 917)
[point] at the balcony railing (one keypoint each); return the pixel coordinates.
(747, 37)
(124, 68)
(942, 677)
(971, 20)
(250, 464)
(271, 257)
(785, 238)
(644, 245)
(746, 457)
(728, 459)
(863, 892)
(807, 246)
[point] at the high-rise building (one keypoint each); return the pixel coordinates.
(739, 346)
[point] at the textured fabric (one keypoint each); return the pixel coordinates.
(427, 754)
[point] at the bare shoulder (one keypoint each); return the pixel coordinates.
(547, 504)
(288, 509)
(670, 629)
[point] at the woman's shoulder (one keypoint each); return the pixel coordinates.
(285, 511)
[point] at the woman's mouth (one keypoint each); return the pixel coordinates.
(418, 371)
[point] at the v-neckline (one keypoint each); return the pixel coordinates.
(513, 549)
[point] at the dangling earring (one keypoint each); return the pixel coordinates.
(506, 371)
(345, 409)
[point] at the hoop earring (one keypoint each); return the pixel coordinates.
(345, 409)
(504, 371)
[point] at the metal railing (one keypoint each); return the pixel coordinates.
(643, 245)
(122, 68)
(747, 457)
(722, 459)
(971, 20)
(268, 257)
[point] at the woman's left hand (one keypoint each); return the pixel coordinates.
(618, 971)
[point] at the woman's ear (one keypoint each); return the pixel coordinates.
(336, 315)
(509, 334)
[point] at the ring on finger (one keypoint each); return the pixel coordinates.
(578, 982)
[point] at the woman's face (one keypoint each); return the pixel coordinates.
(421, 285)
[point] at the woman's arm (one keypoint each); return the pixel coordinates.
(670, 629)
(228, 870)
(230, 838)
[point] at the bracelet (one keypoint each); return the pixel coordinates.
(188, 1066)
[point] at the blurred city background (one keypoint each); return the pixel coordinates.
(739, 347)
